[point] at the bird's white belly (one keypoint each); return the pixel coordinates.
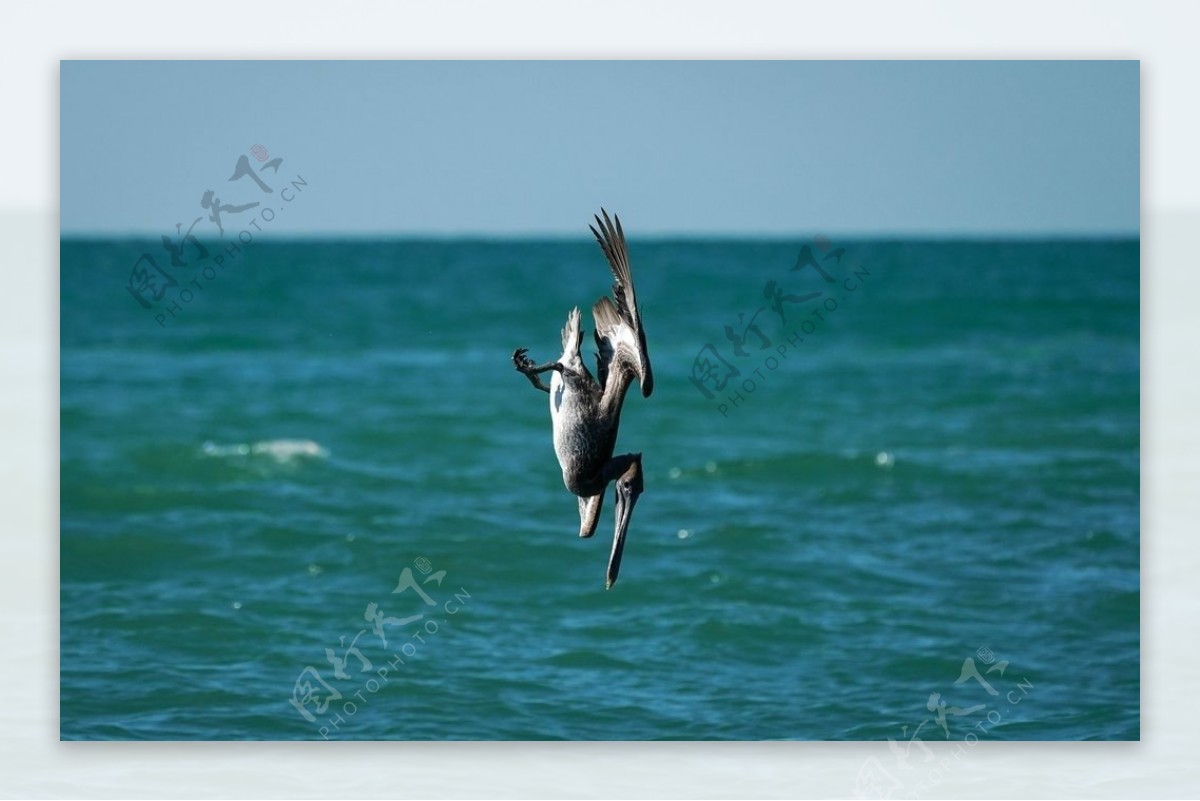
(571, 438)
(558, 400)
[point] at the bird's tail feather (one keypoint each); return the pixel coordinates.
(572, 333)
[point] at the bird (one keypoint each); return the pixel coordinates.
(585, 410)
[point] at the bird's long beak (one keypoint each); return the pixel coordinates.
(629, 487)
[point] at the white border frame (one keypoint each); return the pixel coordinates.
(34, 38)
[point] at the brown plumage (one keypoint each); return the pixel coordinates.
(585, 412)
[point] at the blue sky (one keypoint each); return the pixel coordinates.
(527, 148)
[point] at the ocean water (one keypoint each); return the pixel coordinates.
(315, 501)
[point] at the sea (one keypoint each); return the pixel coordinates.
(891, 493)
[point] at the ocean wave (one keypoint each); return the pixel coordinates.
(281, 450)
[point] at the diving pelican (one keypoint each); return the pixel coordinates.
(585, 411)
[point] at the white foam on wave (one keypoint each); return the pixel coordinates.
(281, 450)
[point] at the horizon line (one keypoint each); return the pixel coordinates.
(653, 236)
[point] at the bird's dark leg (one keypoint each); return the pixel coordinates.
(531, 371)
(627, 472)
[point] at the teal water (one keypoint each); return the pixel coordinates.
(939, 474)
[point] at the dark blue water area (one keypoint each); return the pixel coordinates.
(909, 500)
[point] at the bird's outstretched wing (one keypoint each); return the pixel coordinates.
(620, 338)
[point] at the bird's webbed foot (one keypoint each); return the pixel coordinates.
(530, 370)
